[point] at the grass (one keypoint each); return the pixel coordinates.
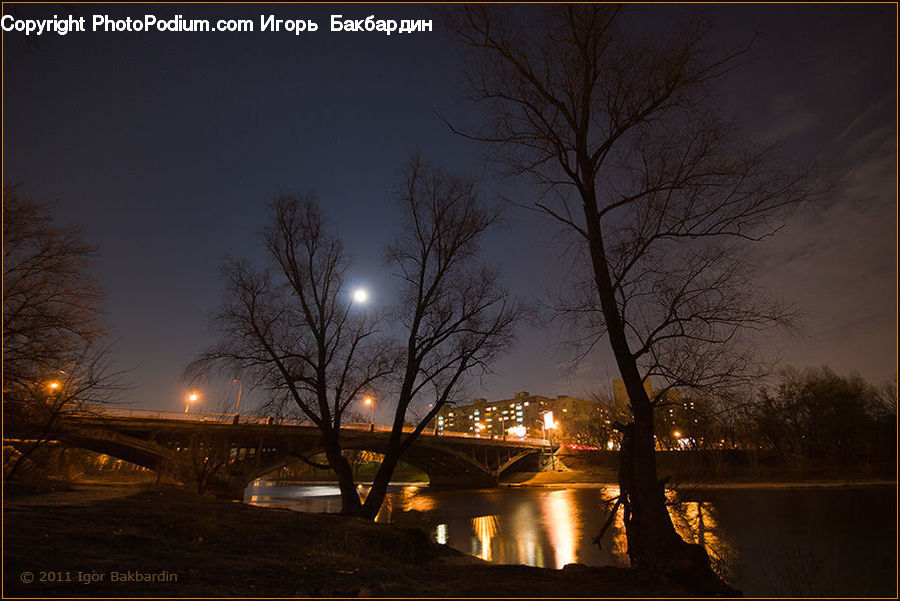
(218, 548)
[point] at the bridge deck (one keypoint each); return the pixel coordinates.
(251, 422)
(226, 452)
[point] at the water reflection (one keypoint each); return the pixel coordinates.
(563, 525)
(411, 500)
(539, 527)
(485, 528)
(619, 546)
(385, 514)
(694, 521)
(697, 522)
(754, 530)
(325, 498)
(440, 534)
(523, 521)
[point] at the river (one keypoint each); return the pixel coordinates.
(765, 541)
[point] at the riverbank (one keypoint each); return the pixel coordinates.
(99, 541)
(577, 478)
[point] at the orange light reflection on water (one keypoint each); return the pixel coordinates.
(485, 528)
(695, 522)
(563, 524)
(411, 499)
(619, 546)
(523, 520)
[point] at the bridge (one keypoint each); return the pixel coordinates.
(224, 455)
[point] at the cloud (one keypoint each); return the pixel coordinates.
(839, 264)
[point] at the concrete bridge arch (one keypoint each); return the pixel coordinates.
(231, 455)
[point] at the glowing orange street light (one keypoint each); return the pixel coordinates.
(237, 409)
(192, 398)
(53, 385)
(549, 425)
(368, 402)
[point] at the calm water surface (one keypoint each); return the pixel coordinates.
(765, 541)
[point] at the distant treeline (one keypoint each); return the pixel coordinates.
(810, 414)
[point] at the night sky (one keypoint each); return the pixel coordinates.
(167, 147)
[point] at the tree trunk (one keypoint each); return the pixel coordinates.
(350, 504)
(382, 479)
(380, 483)
(652, 540)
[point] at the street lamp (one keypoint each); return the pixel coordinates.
(549, 425)
(54, 395)
(192, 398)
(368, 402)
(237, 409)
(435, 418)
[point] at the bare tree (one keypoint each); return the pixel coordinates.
(293, 329)
(208, 457)
(54, 360)
(622, 133)
(816, 414)
(51, 303)
(456, 315)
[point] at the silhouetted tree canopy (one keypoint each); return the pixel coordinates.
(619, 129)
(54, 361)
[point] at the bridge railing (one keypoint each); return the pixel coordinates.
(229, 418)
(129, 413)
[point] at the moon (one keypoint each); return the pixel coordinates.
(360, 295)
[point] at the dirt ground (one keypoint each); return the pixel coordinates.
(130, 541)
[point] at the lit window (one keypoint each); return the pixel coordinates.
(526, 403)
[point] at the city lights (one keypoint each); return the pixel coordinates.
(519, 431)
(549, 422)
